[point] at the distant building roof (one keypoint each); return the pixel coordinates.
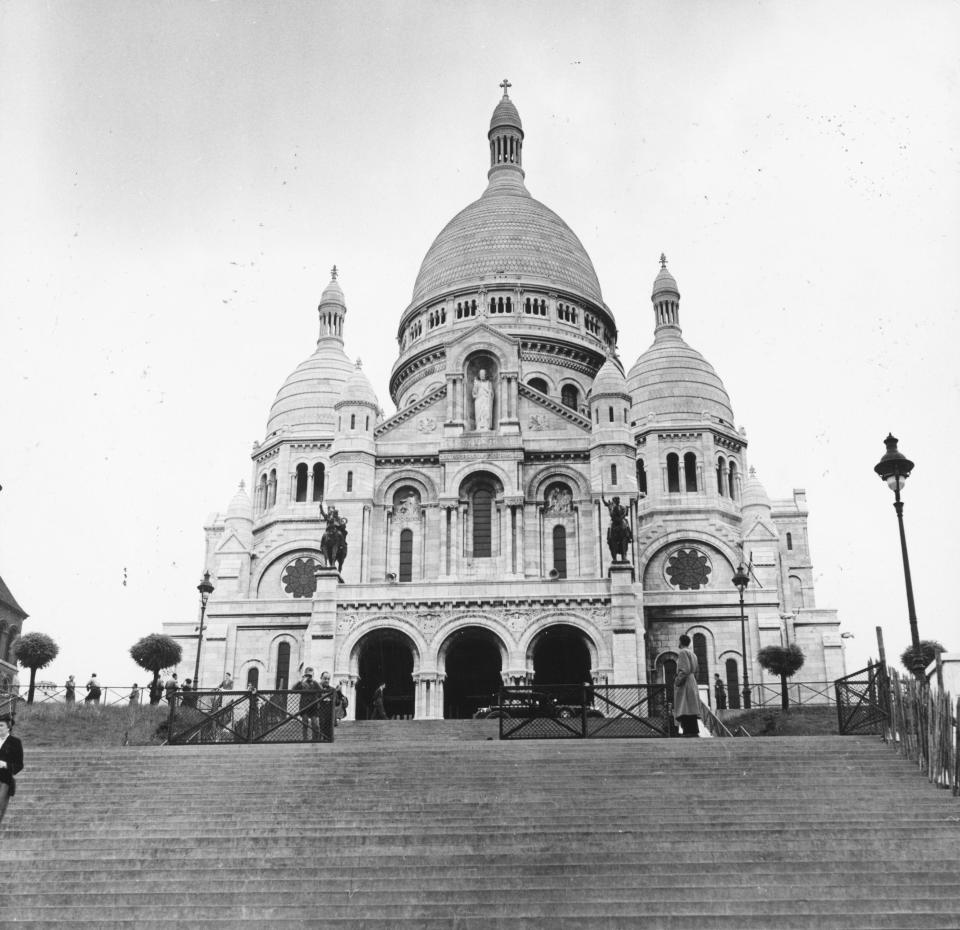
(7, 598)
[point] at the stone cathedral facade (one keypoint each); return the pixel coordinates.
(475, 512)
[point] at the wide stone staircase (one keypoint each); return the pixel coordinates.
(406, 825)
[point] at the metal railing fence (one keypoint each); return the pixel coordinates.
(110, 695)
(211, 717)
(583, 712)
(763, 694)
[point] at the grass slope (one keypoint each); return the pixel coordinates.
(808, 720)
(82, 725)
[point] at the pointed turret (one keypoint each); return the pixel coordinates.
(506, 136)
(332, 310)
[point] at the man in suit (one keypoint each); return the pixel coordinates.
(11, 761)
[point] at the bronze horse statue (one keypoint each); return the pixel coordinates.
(619, 535)
(333, 543)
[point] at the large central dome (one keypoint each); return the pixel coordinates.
(506, 235)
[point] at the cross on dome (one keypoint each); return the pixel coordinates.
(333, 272)
(505, 84)
(663, 260)
(359, 363)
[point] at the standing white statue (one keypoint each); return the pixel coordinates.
(483, 400)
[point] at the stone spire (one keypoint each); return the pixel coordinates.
(666, 302)
(332, 309)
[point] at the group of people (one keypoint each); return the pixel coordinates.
(93, 690)
(315, 695)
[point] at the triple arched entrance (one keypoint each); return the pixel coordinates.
(471, 663)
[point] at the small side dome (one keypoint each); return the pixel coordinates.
(754, 495)
(241, 507)
(609, 380)
(357, 389)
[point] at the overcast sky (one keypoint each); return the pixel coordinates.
(177, 179)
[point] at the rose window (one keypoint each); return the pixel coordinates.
(300, 578)
(688, 569)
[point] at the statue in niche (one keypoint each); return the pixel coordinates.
(559, 500)
(619, 535)
(408, 508)
(483, 401)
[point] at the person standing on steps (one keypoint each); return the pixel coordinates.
(719, 692)
(310, 693)
(686, 696)
(379, 711)
(134, 695)
(11, 762)
(70, 690)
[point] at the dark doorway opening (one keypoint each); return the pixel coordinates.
(561, 657)
(386, 656)
(473, 664)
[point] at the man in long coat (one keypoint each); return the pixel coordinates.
(686, 697)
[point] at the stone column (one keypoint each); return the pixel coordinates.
(455, 540)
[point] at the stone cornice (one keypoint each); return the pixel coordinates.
(554, 407)
(429, 356)
(401, 416)
(476, 603)
(403, 461)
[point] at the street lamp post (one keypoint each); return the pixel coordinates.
(895, 468)
(740, 580)
(205, 589)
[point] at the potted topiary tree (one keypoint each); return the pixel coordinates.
(35, 650)
(783, 661)
(153, 653)
(929, 649)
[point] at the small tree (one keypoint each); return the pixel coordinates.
(929, 649)
(155, 652)
(35, 650)
(783, 661)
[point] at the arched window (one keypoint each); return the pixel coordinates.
(641, 477)
(318, 476)
(733, 481)
(611, 413)
(353, 421)
(538, 384)
(673, 473)
(796, 592)
(367, 425)
(272, 488)
(721, 468)
(482, 520)
(690, 471)
(262, 496)
(733, 685)
(302, 478)
(700, 651)
(349, 481)
(613, 474)
(789, 540)
(283, 667)
(596, 415)
(560, 550)
(569, 396)
(406, 555)
(253, 676)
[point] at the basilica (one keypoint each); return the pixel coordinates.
(474, 519)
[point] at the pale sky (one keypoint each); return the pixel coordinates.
(177, 179)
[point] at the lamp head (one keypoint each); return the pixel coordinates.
(894, 467)
(205, 588)
(741, 579)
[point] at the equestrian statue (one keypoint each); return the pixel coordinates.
(333, 543)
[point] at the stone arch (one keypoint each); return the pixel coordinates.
(388, 652)
(472, 659)
(307, 548)
(537, 483)
(347, 655)
(472, 471)
(600, 657)
(383, 495)
(273, 652)
(533, 374)
(653, 548)
(243, 674)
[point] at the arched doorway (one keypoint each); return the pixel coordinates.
(473, 661)
(385, 656)
(561, 657)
